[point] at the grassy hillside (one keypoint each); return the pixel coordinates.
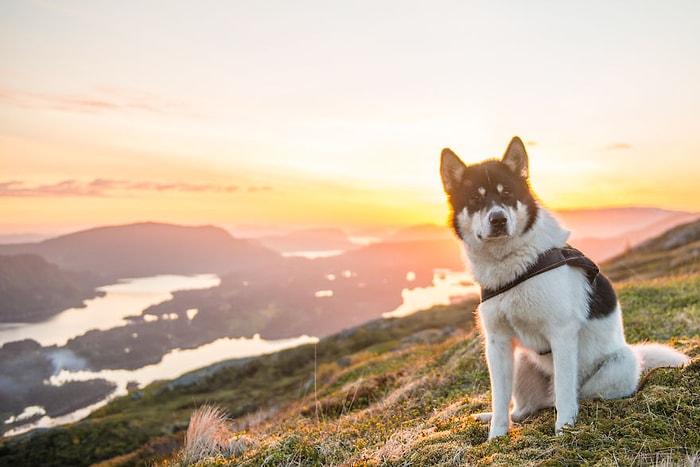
(395, 392)
(677, 251)
(409, 403)
(150, 423)
(32, 289)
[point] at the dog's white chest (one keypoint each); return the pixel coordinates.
(528, 325)
(530, 336)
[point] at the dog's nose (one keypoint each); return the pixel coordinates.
(498, 219)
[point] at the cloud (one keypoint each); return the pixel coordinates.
(102, 187)
(17, 188)
(617, 147)
(99, 101)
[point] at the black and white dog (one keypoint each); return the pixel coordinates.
(551, 322)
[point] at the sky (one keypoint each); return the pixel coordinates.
(299, 113)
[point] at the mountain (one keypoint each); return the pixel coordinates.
(612, 222)
(147, 249)
(602, 246)
(32, 289)
(677, 251)
(144, 249)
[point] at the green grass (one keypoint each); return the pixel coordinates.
(395, 393)
(661, 309)
(412, 405)
(677, 252)
(149, 425)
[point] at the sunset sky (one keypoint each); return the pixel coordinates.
(261, 113)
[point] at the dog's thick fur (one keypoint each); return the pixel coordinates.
(555, 337)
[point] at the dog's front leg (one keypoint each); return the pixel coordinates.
(565, 355)
(499, 356)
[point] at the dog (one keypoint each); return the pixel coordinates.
(551, 322)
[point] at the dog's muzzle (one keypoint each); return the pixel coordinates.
(498, 224)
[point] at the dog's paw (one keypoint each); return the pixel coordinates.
(560, 425)
(483, 417)
(498, 430)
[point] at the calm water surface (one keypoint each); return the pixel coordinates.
(127, 298)
(131, 296)
(174, 364)
(448, 287)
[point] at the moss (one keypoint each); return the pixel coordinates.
(434, 423)
(394, 402)
(661, 309)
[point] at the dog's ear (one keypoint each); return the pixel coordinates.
(515, 158)
(451, 169)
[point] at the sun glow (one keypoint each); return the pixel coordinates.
(265, 114)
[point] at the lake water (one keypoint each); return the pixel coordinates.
(174, 364)
(448, 287)
(312, 254)
(131, 296)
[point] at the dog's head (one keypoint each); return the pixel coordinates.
(491, 201)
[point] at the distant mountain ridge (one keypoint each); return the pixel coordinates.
(606, 241)
(146, 249)
(611, 222)
(150, 248)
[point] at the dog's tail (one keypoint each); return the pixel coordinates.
(652, 355)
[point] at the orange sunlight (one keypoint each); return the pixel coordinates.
(255, 118)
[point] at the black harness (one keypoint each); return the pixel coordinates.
(550, 259)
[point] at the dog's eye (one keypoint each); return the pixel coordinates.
(475, 196)
(506, 193)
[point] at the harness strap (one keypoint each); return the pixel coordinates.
(550, 259)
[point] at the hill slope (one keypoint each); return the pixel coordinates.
(677, 251)
(394, 392)
(409, 402)
(32, 289)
